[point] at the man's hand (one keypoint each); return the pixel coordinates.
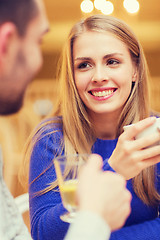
(103, 193)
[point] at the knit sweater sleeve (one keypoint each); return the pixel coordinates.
(146, 230)
(143, 222)
(46, 208)
(143, 231)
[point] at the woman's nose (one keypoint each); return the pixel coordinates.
(100, 74)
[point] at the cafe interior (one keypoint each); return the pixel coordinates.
(144, 19)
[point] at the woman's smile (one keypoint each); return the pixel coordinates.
(102, 94)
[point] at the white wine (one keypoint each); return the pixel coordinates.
(68, 194)
(67, 169)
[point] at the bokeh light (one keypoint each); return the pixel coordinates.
(132, 6)
(99, 4)
(108, 8)
(87, 6)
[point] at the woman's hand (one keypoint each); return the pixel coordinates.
(132, 155)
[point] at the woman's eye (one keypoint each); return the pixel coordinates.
(83, 65)
(112, 62)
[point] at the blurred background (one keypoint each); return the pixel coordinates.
(144, 19)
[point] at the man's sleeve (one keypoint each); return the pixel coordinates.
(88, 226)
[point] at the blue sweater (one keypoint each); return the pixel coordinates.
(45, 209)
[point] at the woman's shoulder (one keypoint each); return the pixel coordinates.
(49, 127)
(158, 169)
(50, 124)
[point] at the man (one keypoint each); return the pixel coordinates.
(22, 26)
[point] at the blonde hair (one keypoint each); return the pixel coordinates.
(77, 128)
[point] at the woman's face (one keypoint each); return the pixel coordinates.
(103, 71)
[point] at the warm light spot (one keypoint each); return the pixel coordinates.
(99, 4)
(108, 8)
(87, 6)
(132, 6)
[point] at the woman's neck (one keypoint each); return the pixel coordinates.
(105, 125)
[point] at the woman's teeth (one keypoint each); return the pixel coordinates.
(102, 93)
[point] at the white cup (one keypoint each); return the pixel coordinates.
(147, 131)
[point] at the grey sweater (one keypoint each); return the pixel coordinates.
(12, 226)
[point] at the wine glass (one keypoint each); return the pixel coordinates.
(67, 170)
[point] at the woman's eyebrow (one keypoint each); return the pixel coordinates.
(82, 58)
(112, 55)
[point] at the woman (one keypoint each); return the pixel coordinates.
(103, 87)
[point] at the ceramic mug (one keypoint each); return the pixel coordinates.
(146, 132)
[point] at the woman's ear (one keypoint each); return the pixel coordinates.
(134, 76)
(7, 33)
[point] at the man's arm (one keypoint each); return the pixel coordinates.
(103, 200)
